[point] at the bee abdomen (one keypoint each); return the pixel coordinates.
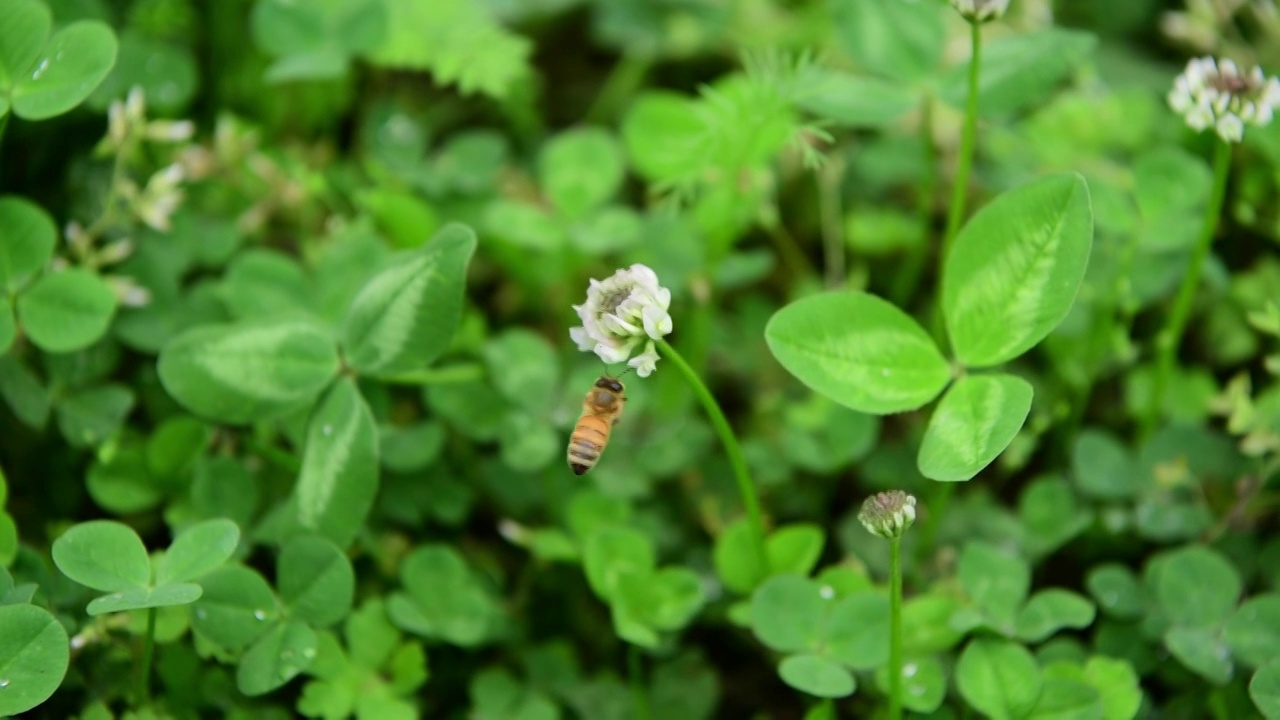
(586, 444)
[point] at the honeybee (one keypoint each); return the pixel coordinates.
(601, 409)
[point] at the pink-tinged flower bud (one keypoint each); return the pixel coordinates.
(888, 514)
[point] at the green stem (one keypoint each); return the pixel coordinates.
(621, 84)
(457, 373)
(895, 629)
(929, 528)
(119, 169)
(1170, 336)
(909, 279)
(281, 458)
(832, 222)
(746, 488)
(148, 650)
(638, 697)
(955, 215)
(789, 250)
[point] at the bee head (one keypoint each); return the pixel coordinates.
(609, 383)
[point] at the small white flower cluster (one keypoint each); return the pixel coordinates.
(128, 120)
(980, 10)
(622, 312)
(1217, 94)
(160, 198)
(127, 124)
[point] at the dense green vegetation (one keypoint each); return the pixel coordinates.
(950, 339)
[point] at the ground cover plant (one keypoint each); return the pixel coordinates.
(948, 333)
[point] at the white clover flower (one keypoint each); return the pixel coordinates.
(980, 10)
(622, 313)
(1218, 95)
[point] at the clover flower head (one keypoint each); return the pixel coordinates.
(1218, 94)
(888, 514)
(624, 312)
(980, 10)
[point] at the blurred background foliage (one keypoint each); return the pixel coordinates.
(751, 152)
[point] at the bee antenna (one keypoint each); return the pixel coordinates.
(624, 372)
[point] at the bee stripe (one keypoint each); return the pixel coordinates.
(591, 434)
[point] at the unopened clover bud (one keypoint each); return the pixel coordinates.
(128, 292)
(1217, 94)
(117, 125)
(115, 252)
(77, 237)
(160, 198)
(888, 514)
(980, 10)
(170, 130)
(135, 105)
(513, 531)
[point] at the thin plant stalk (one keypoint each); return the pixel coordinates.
(960, 190)
(937, 509)
(895, 628)
(1170, 336)
(832, 222)
(746, 487)
(639, 699)
(456, 373)
(148, 651)
(626, 76)
(909, 278)
(789, 250)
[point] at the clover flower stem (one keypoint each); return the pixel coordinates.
(789, 250)
(931, 520)
(148, 651)
(619, 86)
(746, 488)
(119, 172)
(1170, 336)
(448, 374)
(960, 190)
(832, 222)
(639, 699)
(895, 628)
(908, 280)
